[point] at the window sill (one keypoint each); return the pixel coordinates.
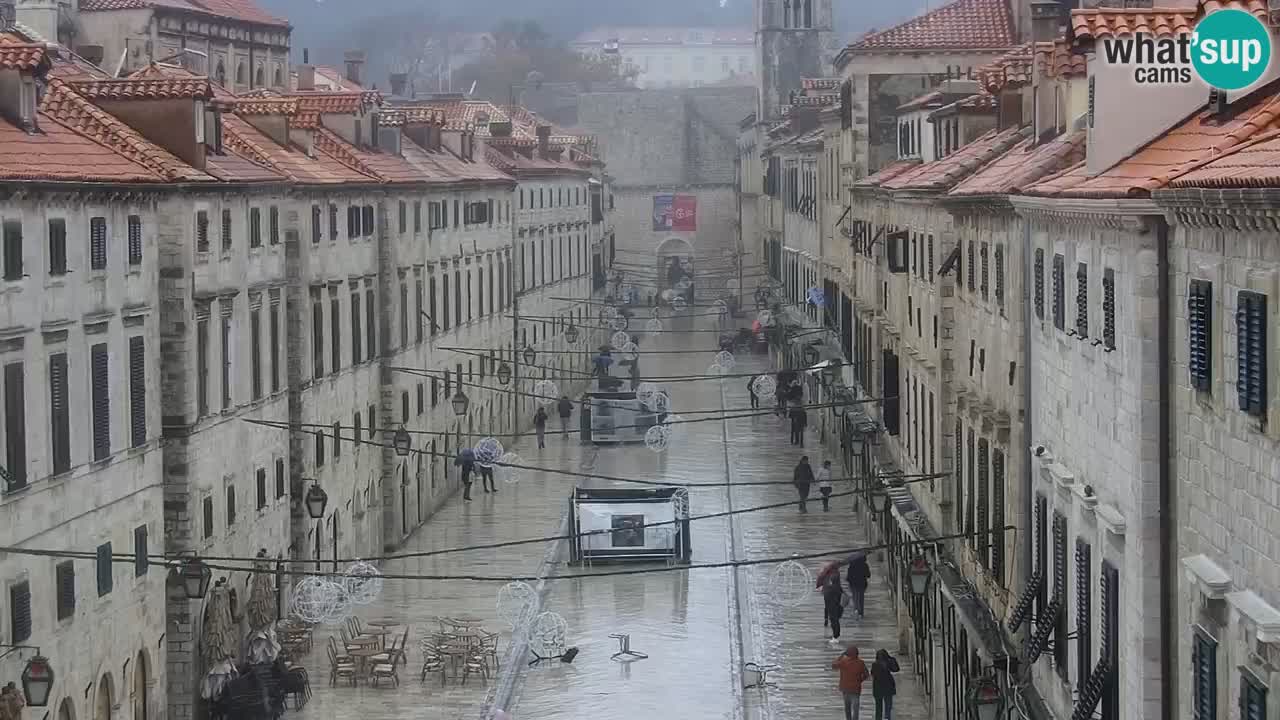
(224, 256)
(202, 256)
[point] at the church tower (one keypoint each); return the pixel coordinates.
(793, 41)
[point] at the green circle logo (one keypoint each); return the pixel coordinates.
(1231, 49)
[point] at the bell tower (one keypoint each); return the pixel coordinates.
(792, 41)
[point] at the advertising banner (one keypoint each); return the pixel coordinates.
(675, 213)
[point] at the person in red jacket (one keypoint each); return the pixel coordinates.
(853, 672)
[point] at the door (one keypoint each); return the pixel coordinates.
(333, 525)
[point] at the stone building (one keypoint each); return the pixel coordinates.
(795, 39)
(676, 57)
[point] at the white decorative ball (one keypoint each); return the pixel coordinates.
(680, 502)
(726, 360)
(678, 302)
(764, 385)
(546, 391)
(618, 339)
(630, 351)
(765, 317)
(645, 392)
(509, 474)
(715, 369)
(488, 450)
(341, 607)
(363, 582)
(792, 583)
(659, 402)
(619, 322)
(548, 634)
(315, 598)
(608, 313)
(657, 437)
(516, 604)
(654, 325)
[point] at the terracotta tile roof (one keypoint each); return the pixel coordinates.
(929, 99)
(243, 10)
(462, 114)
(265, 106)
(961, 25)
(1052, 60)
(337, 102)
(1257, 8)
(234, 166)
(77, 113)
(21, 56)
(945, 173)
(305, 120)
(888, 172)
(409, 115)
(977, 103)
(145, 89)
(1025, 164)
(1096, 23)
(1195, 142)
(447, 167)
(1254, 164)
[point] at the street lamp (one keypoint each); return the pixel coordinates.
(195, 578)
(571, 334)
(987, 698)
(879, 499)
(529, 355)
(919, 572)
(402, 442)
(315, 500)
(504, 373)
(37, 681)
(460, 402)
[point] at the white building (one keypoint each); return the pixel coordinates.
(677, 56)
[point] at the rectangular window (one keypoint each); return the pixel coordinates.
(982, 539)
(1200, 334)
(370, 329)
(337, 441)
(140, 561)
(1251, 353)
(101, 401)
(12, 250)
(202, 231)
(98, 243)
(57, 246)
(1041, 560)
(135, 240)
(65, 579)
(137, 392)
(260, 478)
(226, 230)
(231, 505)
(206, 507)
(275, 347)
(418, 320)
(274, 222)
(335, 332)
(366, 220)
(202, 367)
(333, 221)
(973, 266)
(317, 334)
(1059, 292)
(1038, 297)
(280, 478)
(1084, 611)
(255, 227)
(404, 315)
(404, 406)
(417, 216)
(1060, 641)
(20, 612)
(1110, 645)
(105, 576)
(373, 421)
(1253, 699)
(255, 353)
(421, 399)
(15, 431)
(403, 217)
(985, 287)
(431, 303)
(999, 260)
(315, 225)
(353, 222)
(435, 391)
(1109, 309)
(226, 357)
(356, 337)
(1082, 300)
(457, 298)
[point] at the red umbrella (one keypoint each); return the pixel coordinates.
(832, 567)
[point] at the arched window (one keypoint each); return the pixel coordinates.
(278, 77)
(786, 13)
(808, 13)
(796, 9)
(259, 77)
(242, 75)
(221, 73)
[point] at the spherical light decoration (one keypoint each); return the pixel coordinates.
(646, 391)
(618, 339)
(619, 322)
(516, 604)
(765, 317)
(363, 582)
(667, 295)
(547, 634)
(792, 583)
(678, 302)
(716, 369)
(654, 325)
(815, 296)
(764, 385)
(314, 598)
(488, 450)
(630, 351)
(546, 391)
(509, 474)
(608, 313)
(341, 608)
(680, 502)
(726, 360)
(659, 402)
(657, 437)
(656, 312)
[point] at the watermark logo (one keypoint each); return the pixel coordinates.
(1228, 50)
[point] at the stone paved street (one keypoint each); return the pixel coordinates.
(688, 622)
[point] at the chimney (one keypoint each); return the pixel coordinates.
(92, 53)
(1046, 20)
(544, 142)
(399, 82)
(39, 15)
(306, 72)
(1010, 109)
(355, 61)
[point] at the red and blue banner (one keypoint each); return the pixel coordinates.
(675, 213)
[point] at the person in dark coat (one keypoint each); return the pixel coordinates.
(833, 606)
(799, 420)
(751, 390)
(540, 426)
(858, 575)
(466, 460)
(802, 478)
(565, 406)
(883, 686)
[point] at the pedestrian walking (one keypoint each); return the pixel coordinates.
(486, 479)
(799, 420)
(540, 425)
(883, 686)
(566, 411)
(751, 390)
(833, 606)
(853, 672)
(858, 574)
(466, 461)
(802, 478)
(824, 484)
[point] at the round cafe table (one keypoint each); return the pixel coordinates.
(383, 623)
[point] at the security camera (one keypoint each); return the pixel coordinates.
(1039, 450)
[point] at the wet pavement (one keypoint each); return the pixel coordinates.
(696, 626)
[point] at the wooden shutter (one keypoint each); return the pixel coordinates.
(12, 250)
(958, 476)
(1059, 292)
(417, 216)
(261, 481)
(1041, 564)
(231, 505)
(370, 325)
(997, 516)
(274, 221)
(319, 436)
(999, 261)
(1200, 334)
(140, 563)
(274, 347)
(335, 332)
(315, 225)
(65, 579)
(137, 392)
(207, 512)
(1204, 684)
(404, 315)
(1110, 646)
(1084, 610)
(97, 243)
(20, 612)
(333, 221)
(1251, 353)
(103, 565)
(403, 217)
(366, 215)
(226, 229)
(135, 240)
(1038, 298)
(337, 440)
(60, 416)
(280, 477)
(1060, 643)
(57, 246)
(373, 421)
(973, 266)
(255, 227)
(985, 286)
(1253, 700)
(101, 401)
(202, 231)
(15, 432)
(418, 320)
(891, 390)
(357, 338)
(317, 335)
(353, 221)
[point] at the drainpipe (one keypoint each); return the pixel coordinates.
(1168, 480)
(1029, 435)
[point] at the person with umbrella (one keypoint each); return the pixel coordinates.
(466, 460)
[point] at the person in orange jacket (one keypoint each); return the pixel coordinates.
(853, 672)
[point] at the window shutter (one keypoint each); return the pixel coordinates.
(417, 216)
(973, 268)
(319, 436)
(1084, 611)
(274, 347)
(403, 217)
(333, 221)
(335, 332)
(971, 495)
(373, 421)
(370, 328)
(261, 480)
(135, 240)
(315, 225)
(1204, 668)
(1038, 299)
(12, 250)
(997, 512)
(366, 215)
(274, 221)
(1082, 300)
(982, 541)
(1200, 334)
(280, 486)
(1059, 292)
(1060, 643)
(140, 563)
(57, 246)
(20, 612)
(357, 344)
(231, 505)
(65, 575)
(15, 440)
(1251, 353)
(1091, 92)
(337, 440)
(353, 221)
(1253, 700)
(60, 416)
(1110, 649)
(317, 335)
(999, 260)
(137, 392)
(1109, 309)
(101, 402)
(202, 231)
(207, 508)
(958, 472)
(104, 568)
(985, 287)
(226, 230)
(97, 243)
(1041, 563)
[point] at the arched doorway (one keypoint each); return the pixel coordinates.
(66, 711)
(105, 700)
(675, 263)
(141, 679)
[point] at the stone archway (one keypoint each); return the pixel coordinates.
(141, 682)
(66, 710)
(105, 699)
(675, 258)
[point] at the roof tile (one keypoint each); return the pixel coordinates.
(888, 172)
(961, 25)
(21, 56)
(945, 173)
(1097, 23)
(1254, 164)
(1052, 60)
(243, 10)
(1026, 163)
(145, 88)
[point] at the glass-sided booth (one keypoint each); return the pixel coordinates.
(629, 524)
(618, 417)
